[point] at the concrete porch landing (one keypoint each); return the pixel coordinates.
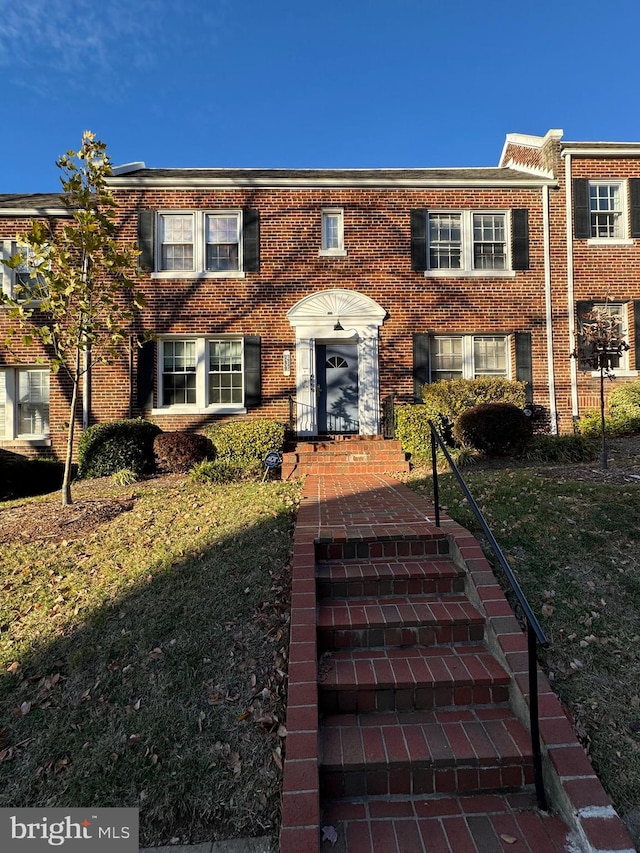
(407, 704)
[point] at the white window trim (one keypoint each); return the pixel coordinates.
(199, 246)
(467, 269)
(202, 405)
(622, 239)
(9, 376)
(468, 370)
(339, 251)
(624, 369)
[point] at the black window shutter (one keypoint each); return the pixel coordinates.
(146, 354)
(520, 239)
(636, 328)
(634, 204)
(146, 228)
(581, 214)
(524, 363)
(418, 240)
(583, 308)
(252, 372)
(251, 240)
(421, 356)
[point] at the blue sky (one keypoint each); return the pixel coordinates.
(293, 83)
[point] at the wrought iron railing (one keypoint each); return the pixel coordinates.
(534, 630)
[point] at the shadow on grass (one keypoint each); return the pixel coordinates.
(166, 697)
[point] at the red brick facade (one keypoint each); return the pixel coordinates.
(522, 304)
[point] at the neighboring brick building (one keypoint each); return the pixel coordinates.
(339, 288)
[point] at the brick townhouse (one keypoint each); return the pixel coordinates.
(320, 294)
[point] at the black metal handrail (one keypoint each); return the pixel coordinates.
(534, 630)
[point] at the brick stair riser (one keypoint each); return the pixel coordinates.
(391, 548)
(418, 780)
(343, 469)
(389, 587)
(374, 637)
(360, 700)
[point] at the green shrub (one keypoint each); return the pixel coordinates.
(621, 421)
(247, 442)
(446, 400)
(217, 471)
(625, 396)
(496, 429)
(560, 449)
(177, 452)
(412, 431)
(106, 448)
(21, 477)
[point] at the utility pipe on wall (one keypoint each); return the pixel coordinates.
(553, 411)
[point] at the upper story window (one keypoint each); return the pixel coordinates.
(333, 232)
(24, 403)
(22, 281)
(606, 209)
(469, 242)
(199, 243)
(468, 356)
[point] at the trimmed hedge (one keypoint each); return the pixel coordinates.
(177, 452)
(445, 401)
(621, 421)
(218, 471)
(412, 430)
(106, 448)
(496, 429)
(625, 396)
(21, 477)
(247, 443)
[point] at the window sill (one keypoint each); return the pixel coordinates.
(609, 241)
(192, 275)
(622, 373)
(25, 441)
(332, 253)
(469, 274)
(220, 409)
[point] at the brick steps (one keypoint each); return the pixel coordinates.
(382, 577)
(398, 621)
(423, 752)
(351, 455)
(360, 680)
(462, 824)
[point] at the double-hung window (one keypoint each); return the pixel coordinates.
(606, 209)
(469, 242)
(200, 243)
(204, 373)
(611, 320)
(24, 281)
(24, 403)
(468, 356)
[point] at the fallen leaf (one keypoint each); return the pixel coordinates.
(329, 834)
(277, 760)
(25, 708)
(508, 838)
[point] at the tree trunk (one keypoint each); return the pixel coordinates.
(66, 479)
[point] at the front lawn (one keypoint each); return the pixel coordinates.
(143, 651)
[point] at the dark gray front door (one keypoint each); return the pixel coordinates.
(337, 372)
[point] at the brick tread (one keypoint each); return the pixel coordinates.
(411, 667)
(400, 611)
(446, 824)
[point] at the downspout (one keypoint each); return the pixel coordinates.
(553, 411)
(570, 289)
(130, 376)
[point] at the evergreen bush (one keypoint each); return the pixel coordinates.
(247, 443)
(104, 449)
(21, 477)
(177, 452)
(496, 429)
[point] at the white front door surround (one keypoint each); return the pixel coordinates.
(314, 319)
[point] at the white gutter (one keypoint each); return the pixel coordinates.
(35, 211)
(553, 412)
(570, 289)
(229, 182)
(612, 151)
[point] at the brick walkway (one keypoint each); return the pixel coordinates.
(407, 705)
